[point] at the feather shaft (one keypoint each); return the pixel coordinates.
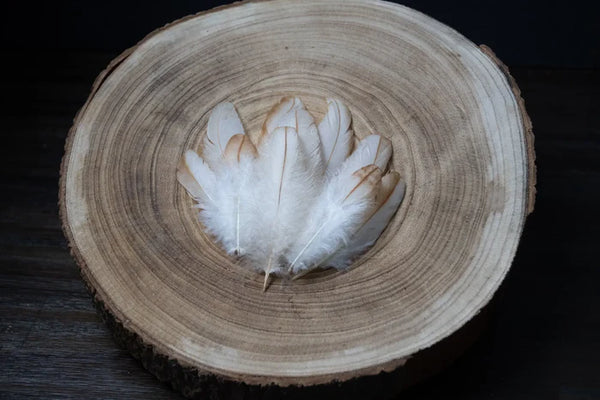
(287, 188)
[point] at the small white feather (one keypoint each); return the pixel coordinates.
(290, 112)
(201, 183)
(229, 217)
(185, 178)
(335, 134)
(197, 177)
(390, 195)
(285, 192)
(223, 123)
(234, 209)
(338, 212)
(373, 149)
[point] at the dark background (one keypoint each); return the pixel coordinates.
(542, 339)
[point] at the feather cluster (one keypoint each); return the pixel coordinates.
(301, 198)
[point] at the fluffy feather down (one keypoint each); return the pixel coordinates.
(286, 191)
(229, 217)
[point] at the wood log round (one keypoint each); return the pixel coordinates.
(462, 142)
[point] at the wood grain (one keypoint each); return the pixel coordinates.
(461, 141)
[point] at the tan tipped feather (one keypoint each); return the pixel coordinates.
(369, 177)
(239, 146)
(360, 188)
(382, 153)
(223, 123)
(291, 113)
(387, 186)
(284, 106)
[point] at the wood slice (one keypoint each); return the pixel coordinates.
(462, 142)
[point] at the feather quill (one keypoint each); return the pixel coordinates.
(335, 135)
(287, 189)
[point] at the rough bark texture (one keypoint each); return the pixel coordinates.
(527, 128)
(195, 384)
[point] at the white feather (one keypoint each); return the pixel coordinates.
(373, 149)
(335, 216)
(228, 217)
(390, 195)
(185, 178)
(336, 136)
(197, 177)
(233, 210)
(223, 123)
(285, 192)
(290, 112)
(224, 188)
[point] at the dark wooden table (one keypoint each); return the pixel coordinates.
(543, 336)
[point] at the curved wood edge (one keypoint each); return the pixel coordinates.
(382, 381)
(195, 384)
(527, 128)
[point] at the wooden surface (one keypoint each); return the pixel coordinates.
(461, 141)
(537, 345)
